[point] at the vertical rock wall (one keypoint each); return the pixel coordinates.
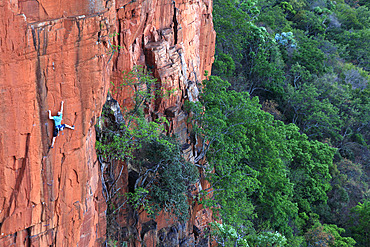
(175, 40)
(49, 52)
(59, 50)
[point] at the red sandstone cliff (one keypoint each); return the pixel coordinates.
(59, 50)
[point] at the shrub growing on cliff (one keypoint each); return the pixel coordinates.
(166, 175)
(161, 173)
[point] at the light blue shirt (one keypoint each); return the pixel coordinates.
(58, 120)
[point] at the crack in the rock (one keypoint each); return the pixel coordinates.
(43, 8)
(175, 23)
(63, 159)
(41, 85)
(119, 42)
(119, 33)
(28, 230)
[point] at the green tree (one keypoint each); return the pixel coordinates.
(227, 235)
(220, 120)
(361, 220)
(364, 3)
(308, 54)
(274, 17)
(316, 117)
(258, 64)
(339, 240)
(309, 169)
(255, 159)
(230, 22)
(350, 40)
(311, 22)
(348, 17)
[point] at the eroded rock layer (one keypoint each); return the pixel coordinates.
(61, 50)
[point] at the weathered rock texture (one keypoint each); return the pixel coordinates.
(175, 40)
(50, 53)
(60, 50)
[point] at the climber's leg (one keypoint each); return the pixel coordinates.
(52, 143)
(69, 127)
(55, 134)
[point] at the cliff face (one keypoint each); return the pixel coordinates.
(50, 54)
(60, 50)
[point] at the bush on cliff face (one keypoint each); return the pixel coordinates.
(165, 174)
(161, 174)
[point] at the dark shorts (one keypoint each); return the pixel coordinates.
(57, 129)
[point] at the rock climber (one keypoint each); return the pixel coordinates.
(58, 126)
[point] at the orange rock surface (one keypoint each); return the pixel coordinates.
(61, 50)
(176, 41)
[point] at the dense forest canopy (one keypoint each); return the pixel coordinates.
(285, 122)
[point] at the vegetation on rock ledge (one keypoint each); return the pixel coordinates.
(161, 175)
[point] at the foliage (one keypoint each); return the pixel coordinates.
(355, 76)
(167, 176)
(361, 219)
(226, 235)
(311, 22)
(224, 64)
(262, 64)
(308, 54)
(357, 54)
(255, 159)
(163, 175)
(288, 7)
(339, 241)
(265, 239)
(112, 48)
(298, 75)
(119, 144)
(349, 16)
(275, 17)
(328, 236)
(309, 170)
(139, 199)
(250, 47)
(229, 22)
(317, 236)
(315, 115)
(286, 39)
(223, 134)
(321, 85)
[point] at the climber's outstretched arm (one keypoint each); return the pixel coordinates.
(50, 117)
(61, 108)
